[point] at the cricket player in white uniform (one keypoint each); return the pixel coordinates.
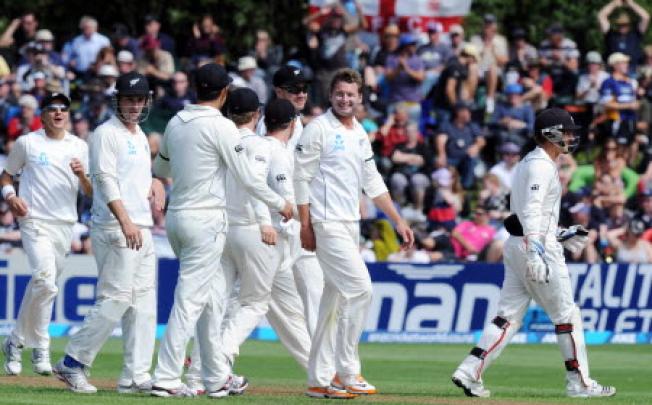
(535, 267)
(333, 165)
(198, 147)
(52, 163)
(258, 245)
(120, 166)
(291, 84)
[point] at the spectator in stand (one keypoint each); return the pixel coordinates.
(459, 143)
(514, 120)
(494, 198)
(494, 54)
(618, 97)
(247, 77)
(584, 214)
(269, 57)
(179, 95)
(537, 85)
(45, 38)
(504, 170)
(392, 133)
(39, 61)
(644, 213)
(410, 169)
(557, 47)
(328, 53)
(565, 75)
(607, 192)
(456, 36)
(106, 56)
(434, 55)
(7, 101)
(84, 48)
(153, 29)
(156, 64)
(646, 63)
(458, 82)
(470, 238)
(617, 218)
(589, 83)
(125, 60)
(39, 90)
(388, 46)
(404, 73)
(122, 41)
(80, 126)
(27, 121)
(369, 125)
(19, 32)
(629, 245)
(444, 200)
(521, 51)
(206, 41)
(108, 75)
(623, 38)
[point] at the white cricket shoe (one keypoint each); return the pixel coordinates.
(196, 386)
(354, 384)
(575, 389)
(41, 361)
(181, 391)
(13, 360)
(142, 388)
(235, 385)
(75, 377)
(471, 387)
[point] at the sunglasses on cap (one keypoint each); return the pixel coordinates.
(57, 107)
(296, 89)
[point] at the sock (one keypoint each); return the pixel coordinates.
(72, 363)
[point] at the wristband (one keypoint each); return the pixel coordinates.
(8, 190)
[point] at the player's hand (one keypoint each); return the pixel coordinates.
(288, 211)
(268, 234)
(307, 235)
(77, 167)
(406, 234)
(132, 235)
(17, 205)
(574, 238)
(157, 195)
(537, 267)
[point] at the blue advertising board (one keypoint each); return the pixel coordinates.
(411, 302)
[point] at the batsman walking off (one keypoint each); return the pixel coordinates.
(535, 267)
(333, 165)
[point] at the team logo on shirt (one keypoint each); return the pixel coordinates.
(281, 177)
(131, 148)
(339, 143)
(43, 159)
(534, 187)
(238, 148)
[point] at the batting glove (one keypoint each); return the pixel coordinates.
(574, 238)
(537, 266)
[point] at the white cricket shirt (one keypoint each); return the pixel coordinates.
(47, 183)
(333, 164)
(124, 156)
(198, 147)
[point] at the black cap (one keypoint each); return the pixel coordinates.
(52, 97)
(489, 18)
(242, 100)
(151, 17)
(551, 117)
(519, 33)
(210, 79)
(288, 76)
(132, 84)
(279, 112)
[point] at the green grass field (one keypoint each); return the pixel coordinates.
(404, 374)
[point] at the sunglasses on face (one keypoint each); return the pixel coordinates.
(296, 89)
(57, 107)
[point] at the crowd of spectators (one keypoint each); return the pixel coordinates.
(449, 114)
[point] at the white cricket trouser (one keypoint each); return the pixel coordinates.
(267, 287)
(126, 290)
(555, 297)
(309, 280)
(46, 244)
(344, 303)
(197, 238)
